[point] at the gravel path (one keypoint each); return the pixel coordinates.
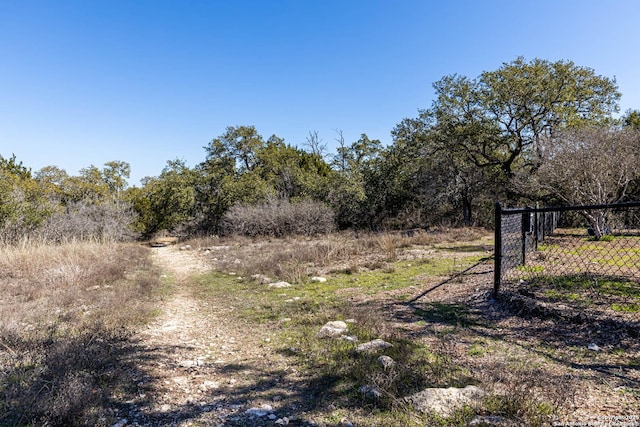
(202, 367)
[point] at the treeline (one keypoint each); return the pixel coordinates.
(530, 131)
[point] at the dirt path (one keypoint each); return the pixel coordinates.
(201, 365)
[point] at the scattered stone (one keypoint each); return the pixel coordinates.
(272, 416)
(350, 321)
(373, 346)
(371, 392)
(209, 385)
(219, 248)
(332, 329)
(123, 422)
(386, 362)
(284, 421)
(279, 285)
(185, 248)
(259, 411)
(491, 421)
(349, 338)
(261, 278)
(443, 401)
(593, 347)
(318, 279)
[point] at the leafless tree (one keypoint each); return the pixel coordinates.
(591, 166)
(315, 145)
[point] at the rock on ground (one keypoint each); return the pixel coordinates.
(386, 362)
(332, 329)
(279, 285)
(373, 346)
(443, 401)
(491, 421)
(371, 392)
(260, 411)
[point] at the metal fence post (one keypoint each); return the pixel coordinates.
(525, 227)
(497, 251)
(536, 230)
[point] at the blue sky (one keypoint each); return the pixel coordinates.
(146, 81)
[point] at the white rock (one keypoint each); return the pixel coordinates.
(318, 279)
(386, 362)
(443, 401)
(279, 285)
(261, 278)
(209, 385)
(593, 347)
(259, 411)
(371, 392)
(373, 346)
(491, 421)
(332, 329)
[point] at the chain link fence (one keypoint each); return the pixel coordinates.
(579, 260)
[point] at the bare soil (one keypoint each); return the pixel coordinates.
(206, 367)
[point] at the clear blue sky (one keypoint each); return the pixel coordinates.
(145, 81)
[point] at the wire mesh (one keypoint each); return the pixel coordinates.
(577, 258)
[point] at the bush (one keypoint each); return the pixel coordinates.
(109, 221)
(279, 218)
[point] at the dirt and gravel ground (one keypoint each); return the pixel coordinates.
(210, 368)
(207, 366)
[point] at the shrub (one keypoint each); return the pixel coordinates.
(279, 218)
(109, 221)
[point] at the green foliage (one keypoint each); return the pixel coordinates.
(482, 139)
(482, 134)
(23, 206)
(501, 118)
(242, 168)
(50, 204)
(15, 168)
(631, 119)
(167, 201)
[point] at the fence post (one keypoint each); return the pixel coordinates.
(536, 231)
(497, 251)
(525, 227)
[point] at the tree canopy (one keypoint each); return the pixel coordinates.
(529, 131)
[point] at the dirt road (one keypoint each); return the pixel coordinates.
(203, 365)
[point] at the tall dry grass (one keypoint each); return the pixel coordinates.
(296, 258)
(66, 312)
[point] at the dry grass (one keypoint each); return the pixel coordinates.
(295, 259)
(64, 312)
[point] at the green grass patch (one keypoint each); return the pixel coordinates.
(603, 238)
(619, 261)
(449, 314)
(626, 308)
(531, 268)
(605, 286)
(548, 247)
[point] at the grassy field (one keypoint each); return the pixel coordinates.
(68, 315)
